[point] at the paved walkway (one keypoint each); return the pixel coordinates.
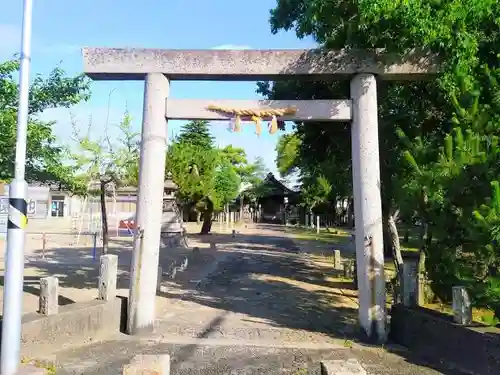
(267, 308)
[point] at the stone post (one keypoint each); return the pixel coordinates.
(141, 311)
(367, 206)
(306, 222)
(337, 260)
(108, 275)
(348, 269)
(462, 309)
(317, 224)
(148, 365)
(49, 295)
(410, 282)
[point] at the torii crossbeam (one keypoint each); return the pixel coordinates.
(157, 67)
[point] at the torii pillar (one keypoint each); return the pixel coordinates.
(153, 65)
(144, 268)
(368, 206)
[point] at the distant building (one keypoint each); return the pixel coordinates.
(51, 201)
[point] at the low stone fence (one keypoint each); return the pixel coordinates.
(55, 327)
(456, 339)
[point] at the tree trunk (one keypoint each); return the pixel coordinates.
(394, 237)
(207, 217)
(104, 218)
(350, 213)
(396, 250)
(241, 209)
(335, 213)
(386, 233)
(407, 235)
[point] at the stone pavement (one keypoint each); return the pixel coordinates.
(266, 309)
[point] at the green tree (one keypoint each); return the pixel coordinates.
(250, 175)
(287, 154)
(197, 133)
(317, 193)
(486, 231)
(227, 184)
(465, 35)
(193, 161)
(194, 170)
(44, 156)
(445, 192)
(102, 161)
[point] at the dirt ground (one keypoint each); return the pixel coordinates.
(272, 306)
(52, 250)
(257, 294)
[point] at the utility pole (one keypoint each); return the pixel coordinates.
(17, 219)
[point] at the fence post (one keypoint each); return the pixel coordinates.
(44, 244)
(410, 282)
(336, 367)
(108, 274)
(94, 248)
(148, 364)
(337, 260)
(48, 302)
(462, 309)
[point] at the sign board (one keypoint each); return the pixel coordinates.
(4, 212)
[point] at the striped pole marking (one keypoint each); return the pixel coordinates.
(18, 208)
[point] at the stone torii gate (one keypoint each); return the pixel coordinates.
(158, 67)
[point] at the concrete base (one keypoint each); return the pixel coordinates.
(148, 365)
(143, 331)
(340, 367)
(75, 324)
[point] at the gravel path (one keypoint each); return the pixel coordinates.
(267, 309)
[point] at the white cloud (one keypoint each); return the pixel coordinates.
(232, 46)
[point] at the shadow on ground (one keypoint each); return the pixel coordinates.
(265, 277)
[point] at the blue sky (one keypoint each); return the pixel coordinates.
(61, 29)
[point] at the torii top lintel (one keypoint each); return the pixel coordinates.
(253, 65)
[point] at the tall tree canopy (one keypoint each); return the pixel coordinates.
(44, 156)
(424, 180)
(197, 133)
(205, 175)
(106, 163)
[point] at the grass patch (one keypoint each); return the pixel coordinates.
(331, 236)
(48, 366)
(409, 238)
(479, 315)
(336, 235)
